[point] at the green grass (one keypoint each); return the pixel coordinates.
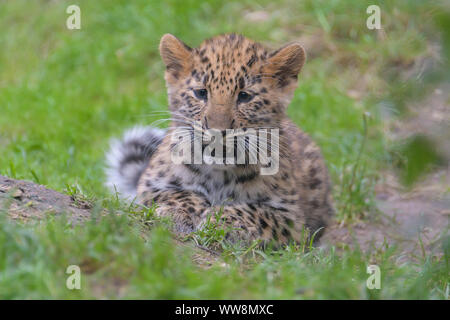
(64, 93)
(119, 260)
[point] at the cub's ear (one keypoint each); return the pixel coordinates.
(175, 54)
(285, 63)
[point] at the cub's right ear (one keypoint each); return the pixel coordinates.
(175, 54)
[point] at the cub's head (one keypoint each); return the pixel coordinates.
(230, 82)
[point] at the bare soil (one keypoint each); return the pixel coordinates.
(24, 200)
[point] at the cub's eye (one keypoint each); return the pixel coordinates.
(244, 96)
(201, 94)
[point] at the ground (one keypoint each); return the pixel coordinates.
(376, 102)
(27, 200)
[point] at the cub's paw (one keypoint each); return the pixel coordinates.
(236, 230)
(182, 222)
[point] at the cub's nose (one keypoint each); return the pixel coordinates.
(219, 121)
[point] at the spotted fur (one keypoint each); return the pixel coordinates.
(275, 208)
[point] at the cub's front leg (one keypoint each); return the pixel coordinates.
(183, 207)
(247, 222)
(190, 211)
(238, 223)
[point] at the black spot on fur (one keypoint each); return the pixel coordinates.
(248, 177)
(286, 233)
(191, 210)
(314, 183)
(241, 83)
(263, 223)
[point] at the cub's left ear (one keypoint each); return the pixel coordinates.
(285, 63)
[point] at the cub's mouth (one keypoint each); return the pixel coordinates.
(225, 148)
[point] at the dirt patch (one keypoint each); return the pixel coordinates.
(24, 200)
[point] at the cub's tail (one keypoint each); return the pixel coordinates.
(128, 157)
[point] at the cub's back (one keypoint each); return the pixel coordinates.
(311, 175)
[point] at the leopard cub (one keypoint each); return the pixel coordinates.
(228, 84)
